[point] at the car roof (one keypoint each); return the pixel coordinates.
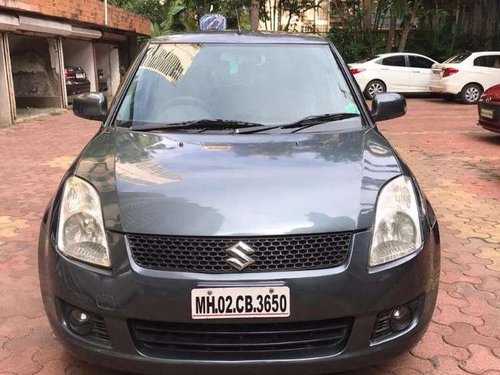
(482, 53)
(232, 37)
(471, 57)
(400, 53)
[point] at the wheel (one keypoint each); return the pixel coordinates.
(373, 88)
(471, 93)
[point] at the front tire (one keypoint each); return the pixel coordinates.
(374, 87)
(471, 93)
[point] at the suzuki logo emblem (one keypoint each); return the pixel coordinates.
(240, 256)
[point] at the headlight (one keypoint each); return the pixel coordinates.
(81, 232)
(397, 231)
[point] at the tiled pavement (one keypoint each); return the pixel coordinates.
(457, 163)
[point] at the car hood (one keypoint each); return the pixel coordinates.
(226, 185)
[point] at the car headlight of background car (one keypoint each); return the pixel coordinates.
(397, 230)
(81, 233)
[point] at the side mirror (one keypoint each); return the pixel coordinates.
(91, 105)
(386, 106)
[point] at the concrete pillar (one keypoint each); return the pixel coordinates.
(62, 78)
(7, 104)
(114, 62)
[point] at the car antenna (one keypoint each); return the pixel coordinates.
(238, 22)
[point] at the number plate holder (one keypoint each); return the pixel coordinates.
(234, 303)
(487, 113)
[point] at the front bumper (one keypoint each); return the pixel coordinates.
(128, 292)
(491, 124)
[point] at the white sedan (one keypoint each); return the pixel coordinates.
(466, 75)
(394, 72)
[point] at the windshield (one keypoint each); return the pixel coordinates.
(251, 83)
(370, 58)
(458, 58)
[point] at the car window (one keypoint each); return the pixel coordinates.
(398, 60)
(488, 61)
(264, 84)
(420, 62)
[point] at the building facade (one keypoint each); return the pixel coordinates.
(41, 41)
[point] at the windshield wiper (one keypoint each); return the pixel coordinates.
(305, 122)
(206, 124)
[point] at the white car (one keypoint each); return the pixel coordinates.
(394, 72)
(466, 75)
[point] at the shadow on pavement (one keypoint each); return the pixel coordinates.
(490, 138)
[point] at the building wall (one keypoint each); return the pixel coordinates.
(32, 74)
(90, 11)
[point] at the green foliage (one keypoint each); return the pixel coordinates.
(435, 37)
(278, 15)
(155, 10)
(183, 15)
(355, 43)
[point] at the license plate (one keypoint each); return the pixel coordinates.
(486, 113)
(80, 75)
(251, 302)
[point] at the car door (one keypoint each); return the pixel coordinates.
(421, 73)
(487, 68)
(395, 73)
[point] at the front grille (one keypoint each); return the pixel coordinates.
(255, 340)
(208, 254)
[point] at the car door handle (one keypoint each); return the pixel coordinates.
(415, 71)
(384, 69)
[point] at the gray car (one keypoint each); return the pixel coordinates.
(238, 210)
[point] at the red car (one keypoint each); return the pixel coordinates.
(489, 109)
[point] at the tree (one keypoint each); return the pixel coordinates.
(280, 14)
(392, 30)
(409, 22)
(254, 15)
(367, 14)
(184, 15)
(155, 10)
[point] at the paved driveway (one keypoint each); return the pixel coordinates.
(457, 163)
